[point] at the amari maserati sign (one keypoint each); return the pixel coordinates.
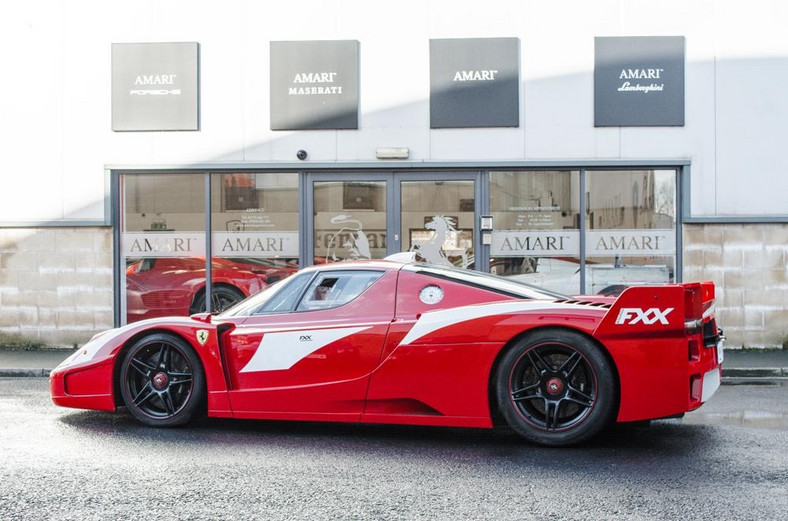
(155, 86)
(475, 82)
(314, 85)
(639, 81)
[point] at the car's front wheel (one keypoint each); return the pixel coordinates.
(162, 381)
(556, 387)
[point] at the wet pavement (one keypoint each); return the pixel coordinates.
(765, 407)
(33, 360)
(726, 461)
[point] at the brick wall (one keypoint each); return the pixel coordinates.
(749, 263)
(55, 284)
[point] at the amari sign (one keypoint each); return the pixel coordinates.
(225, 244)
(155, 86)
(314, 85)
(639, 81)
(475, 83)
(563, 243)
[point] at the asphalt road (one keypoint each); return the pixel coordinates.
(725, 461)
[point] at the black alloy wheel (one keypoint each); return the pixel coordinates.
(162, 381)
(222, 297)
(555, 387)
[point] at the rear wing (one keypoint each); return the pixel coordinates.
(664, 309)
(666, 339)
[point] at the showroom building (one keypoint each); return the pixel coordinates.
(179, 156)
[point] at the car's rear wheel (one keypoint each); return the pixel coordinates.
(162, 381)
(556, 387)
(222, 297)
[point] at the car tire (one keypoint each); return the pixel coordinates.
(222, 297)
(556, 388)
(162, 381)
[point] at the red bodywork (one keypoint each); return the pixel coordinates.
(389, 357)
(172, 286)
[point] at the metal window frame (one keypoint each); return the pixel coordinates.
(479, 171)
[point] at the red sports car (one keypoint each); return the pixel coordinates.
(162, 287)
(400, 342)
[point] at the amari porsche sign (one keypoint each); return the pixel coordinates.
(314, 85)
(639, 81)
(155, 86)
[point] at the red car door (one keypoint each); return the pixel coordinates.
(313, 361)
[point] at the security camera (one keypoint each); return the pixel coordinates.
(301, 154)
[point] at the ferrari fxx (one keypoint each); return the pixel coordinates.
(398, 342)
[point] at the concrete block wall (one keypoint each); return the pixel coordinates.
(749, 264)
(55, 284)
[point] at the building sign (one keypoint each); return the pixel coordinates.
(631, 242)
(639, 81)
(224, 244)
(162, 244)
(475, 83)
(314, 85)
(255, 244)
(548, 243)
(566, 243)
(155, 86)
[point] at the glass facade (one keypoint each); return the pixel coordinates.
(620, 232)
(438, 220)
(631, 229)
(536, 219)
(349, 220)
(254, 223)
(571, 231)
(162, 244)
(163, 240)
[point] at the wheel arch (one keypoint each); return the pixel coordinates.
(117, 367)
(495, 414)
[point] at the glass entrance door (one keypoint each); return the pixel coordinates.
(437, 220)
(370, 216)
(349, 218)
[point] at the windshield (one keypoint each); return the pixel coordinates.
(486, 281)
(289, 287)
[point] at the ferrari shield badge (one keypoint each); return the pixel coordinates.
(202, 336)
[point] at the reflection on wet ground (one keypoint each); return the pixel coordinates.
(756, 419)
(746, 403)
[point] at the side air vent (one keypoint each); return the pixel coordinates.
(603, 305)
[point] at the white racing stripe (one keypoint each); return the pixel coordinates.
(278, 351)
(434, 320)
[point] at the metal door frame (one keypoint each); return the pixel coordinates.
(393, 181)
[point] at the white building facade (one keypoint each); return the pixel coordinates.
(580, 146)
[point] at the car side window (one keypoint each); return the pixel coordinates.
(335, 288)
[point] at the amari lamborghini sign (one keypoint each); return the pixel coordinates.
(639, 81)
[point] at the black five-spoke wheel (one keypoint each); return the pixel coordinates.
(556, 387)
(161, 380)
